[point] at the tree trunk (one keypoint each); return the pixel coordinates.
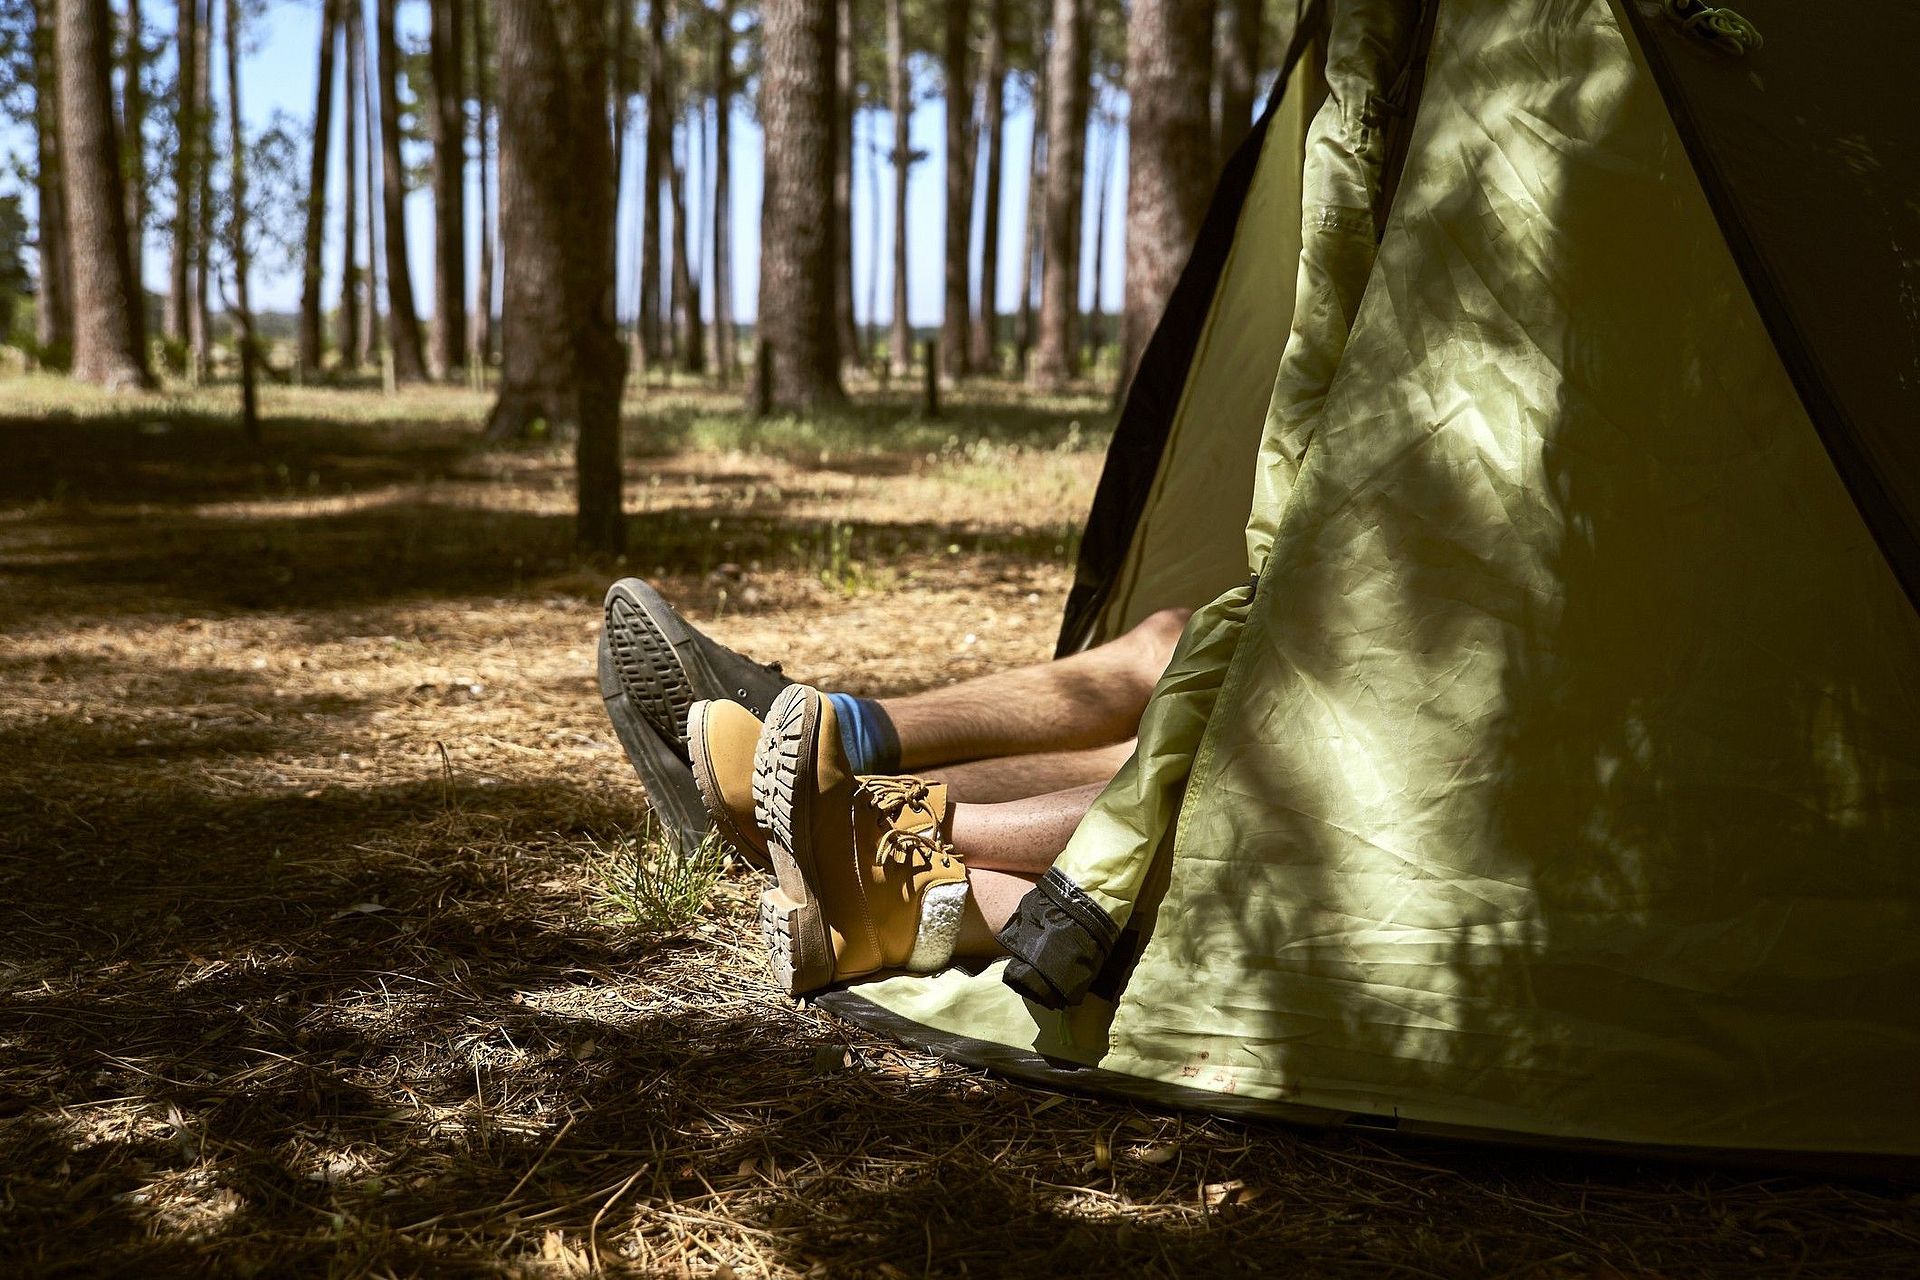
(564, 362)
(54, 309)
(403, 319)
(1068, 91)
(133, 145)
(238, 249)
(993, 76)
(843, 185)
(482, 333)
(447, 128)
(1239, 66)
(956, 308)
(652, 345)
(1036, 210)
(311, 340)
(689, 339)
(1169, 156)
(179, 321)
(201, 330)
(901, 105)
(347, 332)
(108, 347)
(723, 331)
(372, 336)
(796, 256)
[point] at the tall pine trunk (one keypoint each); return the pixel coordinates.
(373, 336)
(956, 308)
(1068, 91)
(689, 337)
(1169, 156)
(108, 345)
(347, 330)
(723, 328)
(652, 343)
(54, 310)
(564, 363)
(482, 332)
(1036, 211)
(403, 318)
(312, 340)
(993, 77)
(201, 330)
(133, 144)
(179, 316)
(239, 251)
(447, 128)
(843, 185)
(1238, 67)
(900, 103)
(797, 112)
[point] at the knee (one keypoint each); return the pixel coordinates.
(1154, 639)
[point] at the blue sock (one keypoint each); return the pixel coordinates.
(867, 733)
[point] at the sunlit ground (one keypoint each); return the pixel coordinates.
(311, 841)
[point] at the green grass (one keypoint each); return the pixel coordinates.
(648, 880)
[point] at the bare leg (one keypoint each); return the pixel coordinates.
(1090, 699)
(1006, 848)
(1019, 777)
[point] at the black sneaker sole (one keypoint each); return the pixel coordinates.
(647, 694)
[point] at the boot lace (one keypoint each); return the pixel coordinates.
(894, 797)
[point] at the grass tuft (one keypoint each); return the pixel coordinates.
(649, 881)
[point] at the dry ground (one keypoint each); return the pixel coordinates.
(308, 820)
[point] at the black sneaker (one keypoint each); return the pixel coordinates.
(653, 667)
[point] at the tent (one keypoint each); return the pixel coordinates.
(1553, 368)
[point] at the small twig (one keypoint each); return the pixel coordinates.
(535, 1168)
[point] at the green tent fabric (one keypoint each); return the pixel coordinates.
(1556, 774)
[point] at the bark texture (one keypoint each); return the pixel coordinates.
(797, 254)
(447, 128)
(403, 318)
(179, 313)
(54, 309)
(347, 332)
(652, 338)
(564, 363)
(238, 250)
(843, 185)
(900, 104)
(1068, 92)
(482, 328)
(723, 331)
(956, 308)
(133, 140)
(1169, 156)
(311, 337)
(108, 345)
(993, 78)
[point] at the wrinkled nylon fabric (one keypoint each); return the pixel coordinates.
(1369, 43)
(1561, 776)
(1188, 546)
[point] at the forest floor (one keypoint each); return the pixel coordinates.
(319, 951)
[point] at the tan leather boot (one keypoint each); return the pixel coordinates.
(868, 879)
(721, 739)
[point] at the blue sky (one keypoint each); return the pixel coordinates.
(280, 71)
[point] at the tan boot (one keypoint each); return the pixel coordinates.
(721, 739)
(868, 879)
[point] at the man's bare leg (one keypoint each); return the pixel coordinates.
(1006, 848)
(991, 782)
(1091, 699)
